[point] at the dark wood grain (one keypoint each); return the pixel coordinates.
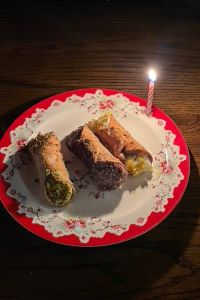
(54, 46)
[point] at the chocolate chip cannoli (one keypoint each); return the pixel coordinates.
(53, 175)
(108, 171)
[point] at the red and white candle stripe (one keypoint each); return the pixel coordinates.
(152, 78)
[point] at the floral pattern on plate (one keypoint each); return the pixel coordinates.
(63, 222)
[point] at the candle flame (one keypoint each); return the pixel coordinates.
(152, 75)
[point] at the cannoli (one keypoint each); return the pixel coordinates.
(53, 175)
(108, 171)
(121, 144)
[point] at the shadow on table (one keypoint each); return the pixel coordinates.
(127, 268)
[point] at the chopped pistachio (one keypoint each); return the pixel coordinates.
(58, 192)
(39, 141)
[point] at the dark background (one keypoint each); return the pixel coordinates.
(47, 47)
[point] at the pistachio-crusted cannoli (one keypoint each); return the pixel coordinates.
(121, 144)
(108, 171)
(54, 177)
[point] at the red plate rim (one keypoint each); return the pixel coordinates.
(134, 231)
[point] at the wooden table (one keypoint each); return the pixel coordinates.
(55, 46)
